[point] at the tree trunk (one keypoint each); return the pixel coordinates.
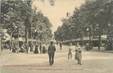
(26, 35)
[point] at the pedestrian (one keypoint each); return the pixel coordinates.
(36, 49)
(40, 48)
(27, 47)
(78, 56)
(60, 46)
(44, 49)
(31, 46)
(70, 54)
(14, 48)
(70, 51)
(17, 48)
(22, 48)
(51, 53)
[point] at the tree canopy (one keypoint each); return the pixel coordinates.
(92, 17)
(18, 17)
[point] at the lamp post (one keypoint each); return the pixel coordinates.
(99, 36)
(88, 29)
(109, 38)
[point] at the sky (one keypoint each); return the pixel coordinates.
(57, 12)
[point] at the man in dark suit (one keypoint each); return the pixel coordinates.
(51, 52)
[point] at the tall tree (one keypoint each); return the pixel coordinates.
(94, 15)
(19, 14)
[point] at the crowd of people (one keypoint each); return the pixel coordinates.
(50, 50)
(36, 48)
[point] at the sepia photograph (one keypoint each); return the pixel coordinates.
(56, 36)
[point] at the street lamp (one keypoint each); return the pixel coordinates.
(109, 37)
(99, 36)
(88, 29)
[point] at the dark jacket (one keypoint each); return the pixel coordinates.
(51, 49)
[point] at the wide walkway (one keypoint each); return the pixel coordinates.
(93, 62)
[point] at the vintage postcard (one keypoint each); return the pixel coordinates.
(56, 36)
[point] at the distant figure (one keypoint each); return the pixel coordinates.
(78, 55)
(40, 48)
(60, 46)
(26, 47)
(17, 49)
(22, 48)
(14, 49)
(70, 54)
(44, 49)
(51, 53)
(31, 47)
(36, 49)
(9, 47)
